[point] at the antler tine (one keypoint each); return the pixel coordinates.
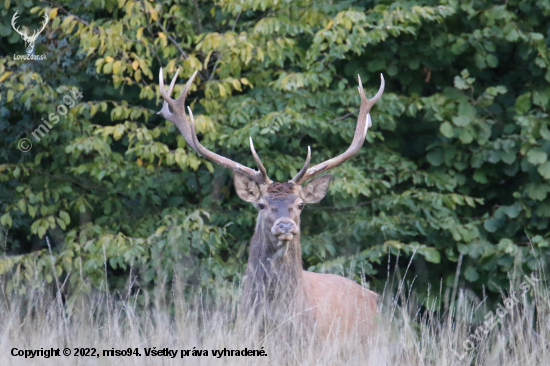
(223, 161)
(259, 162)
(304, 168)
(363, 123)
(166, 95)
(179, 118)
(177, 115)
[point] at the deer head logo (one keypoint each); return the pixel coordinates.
(29, 40)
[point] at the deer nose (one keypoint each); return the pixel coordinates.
(285, 226)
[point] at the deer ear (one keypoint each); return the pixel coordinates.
(316, 189)
(246, 188)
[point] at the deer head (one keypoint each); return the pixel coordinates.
(279, 207)
(279, 204)
(29, 40)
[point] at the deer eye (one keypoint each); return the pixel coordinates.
(301, 206)
(261, 206)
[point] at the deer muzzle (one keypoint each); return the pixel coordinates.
(285, 229)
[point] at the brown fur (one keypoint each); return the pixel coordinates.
(277, 190)
(340, 306)
(278, 289)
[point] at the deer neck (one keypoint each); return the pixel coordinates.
(274, 268)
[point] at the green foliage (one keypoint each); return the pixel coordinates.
(455, 164)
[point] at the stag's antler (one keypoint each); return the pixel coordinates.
(15, 16)
(363, 123)
(178, 117)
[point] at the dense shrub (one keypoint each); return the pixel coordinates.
(455, 167)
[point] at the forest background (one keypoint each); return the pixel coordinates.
(455, 170)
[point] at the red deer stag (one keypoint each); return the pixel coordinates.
(275, 283)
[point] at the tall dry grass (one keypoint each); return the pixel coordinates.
(409, 332)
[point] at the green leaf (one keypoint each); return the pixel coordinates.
(430, 254)
(392, 70)
(5, 30)
(537, 156)
(471, 274)
(41, 231)
(495, 90)
(480, 177)
(22, 205)
(513, 211)
(492, 61)
(493, 156)
(508, 157)
(541, 97)
(512, 36)
(5, 220)
(459, 46)
(466, 109)
(537, 191)
(61, 223)
(465, 136)
(492, 225)
(507, 246)
(436, 157)
(460, 83)
(544, 170)
(461, 121)
(376, 65)
(65, 217)
(446, 130)
(523, 103)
